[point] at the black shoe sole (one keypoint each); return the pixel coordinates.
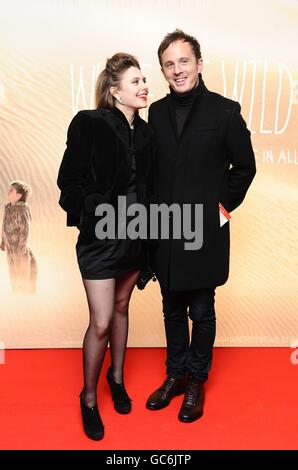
(156, 408)
(189, 420)
(122, 412)
(97, 438)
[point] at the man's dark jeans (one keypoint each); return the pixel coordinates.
(185, 354)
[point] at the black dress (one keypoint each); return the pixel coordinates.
(112, 258)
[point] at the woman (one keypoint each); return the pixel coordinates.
(109, 154)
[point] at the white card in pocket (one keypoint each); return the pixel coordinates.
(224, 216)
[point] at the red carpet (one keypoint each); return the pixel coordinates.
(251, 403)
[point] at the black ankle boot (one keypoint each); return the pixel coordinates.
(162, 397)
(93, 425)
(122, 402)
(192, 406)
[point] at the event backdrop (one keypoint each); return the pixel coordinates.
(51, 52)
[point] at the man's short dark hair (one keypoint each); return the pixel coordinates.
(179, 35)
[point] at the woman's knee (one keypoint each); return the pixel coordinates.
(121, 306)
(100, 328)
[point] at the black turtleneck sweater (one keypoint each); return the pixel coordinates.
(183, 103)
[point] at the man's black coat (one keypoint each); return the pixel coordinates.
(211, 161)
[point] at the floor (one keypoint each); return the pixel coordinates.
(251, 402)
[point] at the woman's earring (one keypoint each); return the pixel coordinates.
(118, 98)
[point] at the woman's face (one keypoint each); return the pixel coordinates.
(13, 195)
(132, 89)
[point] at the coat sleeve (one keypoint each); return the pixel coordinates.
(241, 157)
(74, 167)
(24, 220)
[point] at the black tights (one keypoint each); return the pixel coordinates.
(108, 301)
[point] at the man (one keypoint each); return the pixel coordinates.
(199, 135)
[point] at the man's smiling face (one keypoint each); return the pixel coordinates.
(180, 67)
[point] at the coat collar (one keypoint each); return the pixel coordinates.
(121, 117)
(19, 203)
(118, 122)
